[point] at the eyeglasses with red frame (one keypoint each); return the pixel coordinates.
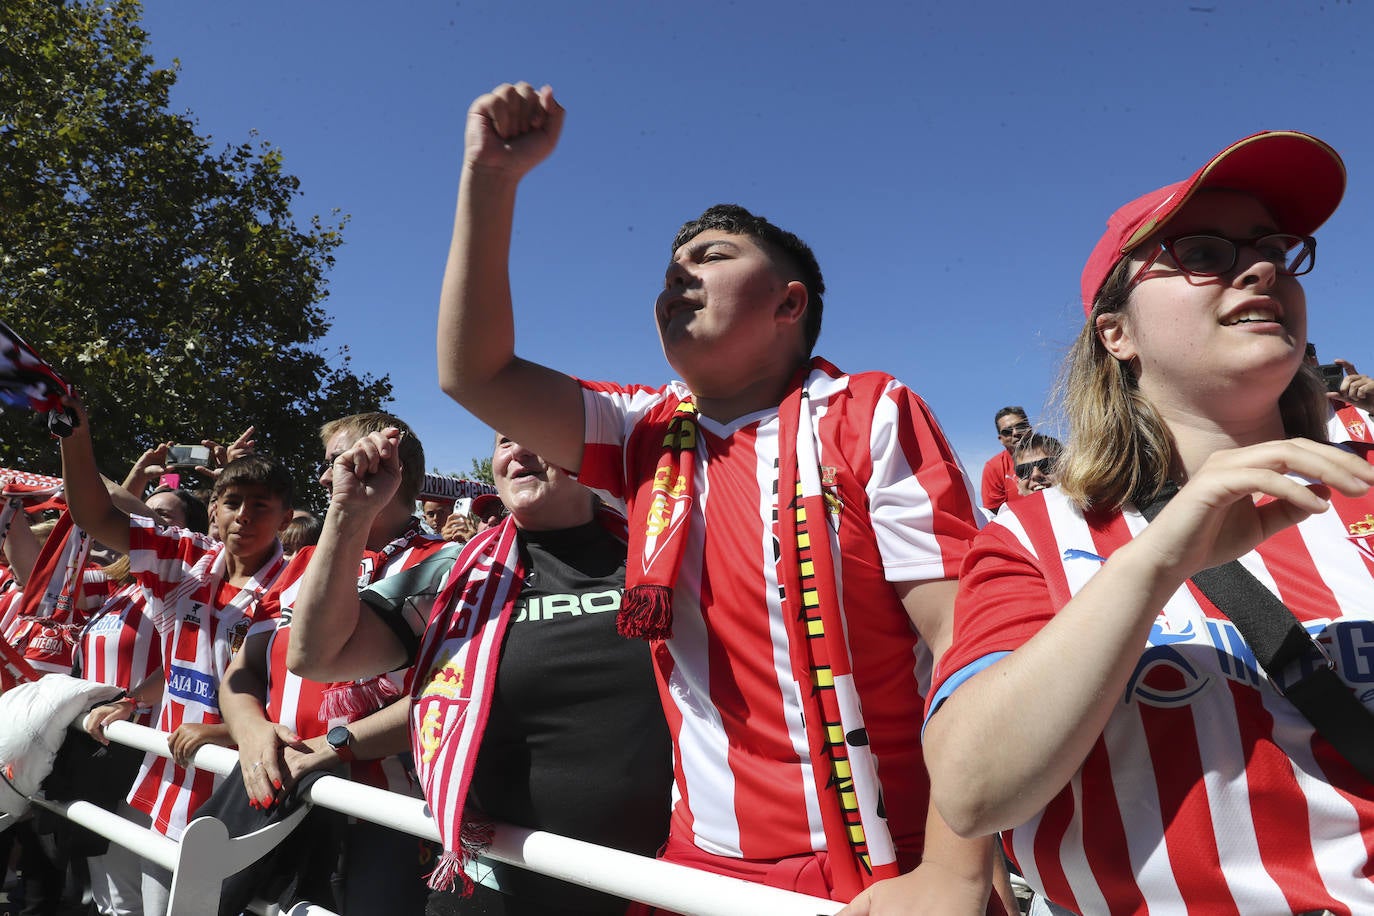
(1213, 255)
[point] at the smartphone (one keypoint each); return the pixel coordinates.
(1331, 374)
(188, 456)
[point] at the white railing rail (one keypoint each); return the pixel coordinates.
(206, 855)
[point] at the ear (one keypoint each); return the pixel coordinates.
(793, 307)
(285, 518)
(1115, 335)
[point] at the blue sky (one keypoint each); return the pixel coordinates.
(951, 164)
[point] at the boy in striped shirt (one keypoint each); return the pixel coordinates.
(202, 596)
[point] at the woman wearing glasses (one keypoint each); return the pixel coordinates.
(1163, 764)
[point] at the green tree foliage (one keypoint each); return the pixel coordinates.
(168, 281)
(481, 470)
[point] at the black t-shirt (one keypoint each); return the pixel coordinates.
(576, 743)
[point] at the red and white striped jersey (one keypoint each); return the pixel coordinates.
(200, 624)
(295, 702)
(119, 645)
(906, 512)
(1349, 423)
(1208, 792)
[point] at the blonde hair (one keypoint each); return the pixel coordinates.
(119, 571)
(1120, 449)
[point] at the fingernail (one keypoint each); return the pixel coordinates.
(252, 802)
(276, 783)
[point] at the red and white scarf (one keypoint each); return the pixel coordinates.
(49, 620)
(454, 678)
(19, 489)
(647, 612)
(845, 771)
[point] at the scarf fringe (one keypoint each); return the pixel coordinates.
(647, 613)
(352, 700)
(474, 839)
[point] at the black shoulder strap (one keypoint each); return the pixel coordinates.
(1282, 646)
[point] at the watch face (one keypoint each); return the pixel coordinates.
(338, 736)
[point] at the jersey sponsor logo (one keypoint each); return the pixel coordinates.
(549, 607)
(1178, 665)
(45, 641)
(192, 618)
(1073, 553)
(188, 684)
(107, 624)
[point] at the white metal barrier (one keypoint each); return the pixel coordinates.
(206, 854)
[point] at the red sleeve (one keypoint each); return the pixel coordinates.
(921, 503)
(611, 413)
(1003, 601)
(994, 487)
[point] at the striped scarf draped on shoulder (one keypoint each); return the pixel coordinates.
(454, 677)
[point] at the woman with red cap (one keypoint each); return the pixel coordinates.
(1177, 637)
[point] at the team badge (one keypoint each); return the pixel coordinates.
(238, 634)
(668, 511)
(1362, 536)
(830, 493)
(444, 684)
(445, 680)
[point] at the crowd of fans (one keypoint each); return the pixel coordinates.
(693, 620)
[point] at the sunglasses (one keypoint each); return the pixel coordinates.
(1043, 465)
(1022, 427)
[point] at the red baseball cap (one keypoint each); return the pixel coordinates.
(486, 503)
(1297, 177)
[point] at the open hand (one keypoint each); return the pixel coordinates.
(1240, 497)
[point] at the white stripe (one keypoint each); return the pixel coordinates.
(1334, 829)
(702, 746)
(1084, 886)
(900, 510)
(1233, 826)
(1137, 799)
(766, 476)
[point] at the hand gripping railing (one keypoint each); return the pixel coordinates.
(206, 855)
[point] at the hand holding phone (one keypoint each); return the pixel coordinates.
(187, 456)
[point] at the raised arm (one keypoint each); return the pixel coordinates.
(87, 495)
(333, 636)
(509, 131)
(21, 547)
